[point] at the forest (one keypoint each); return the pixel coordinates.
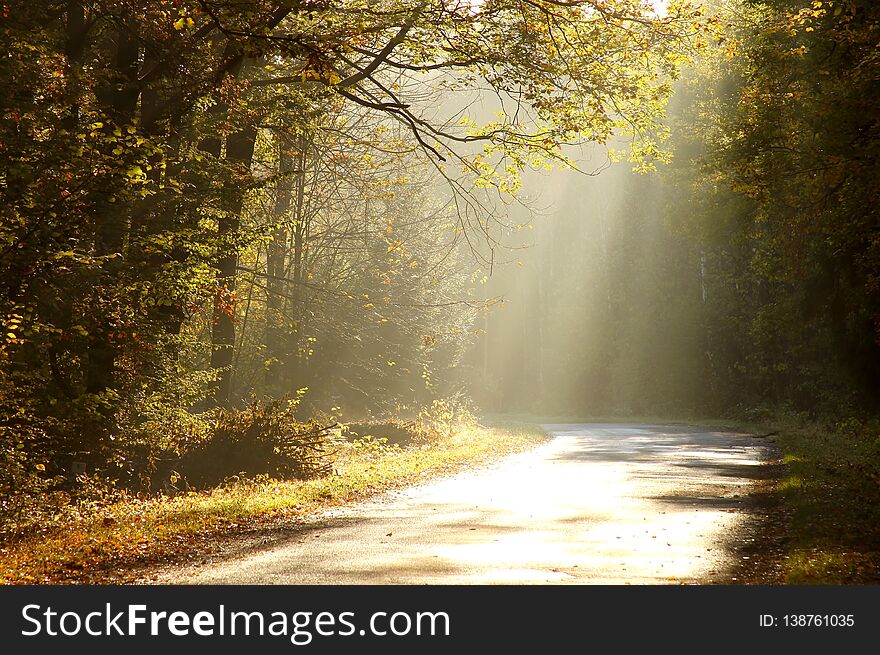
(742, 279)
(243, 239)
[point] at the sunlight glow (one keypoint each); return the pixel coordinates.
(598, 504)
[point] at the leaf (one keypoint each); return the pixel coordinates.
(135, 173)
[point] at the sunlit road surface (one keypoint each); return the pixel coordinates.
(599, 503)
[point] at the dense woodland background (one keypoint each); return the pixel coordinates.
(208, 206)
(740, 281)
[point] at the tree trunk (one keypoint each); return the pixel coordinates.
(239, 152)
(276, 286)
(73, 50)
(300, 226)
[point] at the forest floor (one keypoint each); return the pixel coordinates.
(117, 542)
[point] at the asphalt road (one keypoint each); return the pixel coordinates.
(598, 503)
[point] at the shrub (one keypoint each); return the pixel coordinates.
(441, 420)
(391, 432)
(264, 438)
(26, 469)
(445, 416)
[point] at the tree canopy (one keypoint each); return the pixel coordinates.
(204, 200)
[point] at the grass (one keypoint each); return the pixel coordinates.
(831, 493)
(103, 542)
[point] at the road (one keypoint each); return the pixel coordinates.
(598, 503)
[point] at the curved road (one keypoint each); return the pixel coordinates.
(598, 503)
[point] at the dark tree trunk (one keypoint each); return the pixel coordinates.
(75, 39)
(239, 152)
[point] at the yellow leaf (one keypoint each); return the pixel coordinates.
(180, 23)
(135, 172)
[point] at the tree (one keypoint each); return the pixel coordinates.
(784, 160)
(135, 148)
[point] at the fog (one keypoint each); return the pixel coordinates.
(600, 299)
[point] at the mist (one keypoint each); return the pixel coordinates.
(601, 305)
(261, 258)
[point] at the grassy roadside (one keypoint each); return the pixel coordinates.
(99, 543)
(831, 492)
